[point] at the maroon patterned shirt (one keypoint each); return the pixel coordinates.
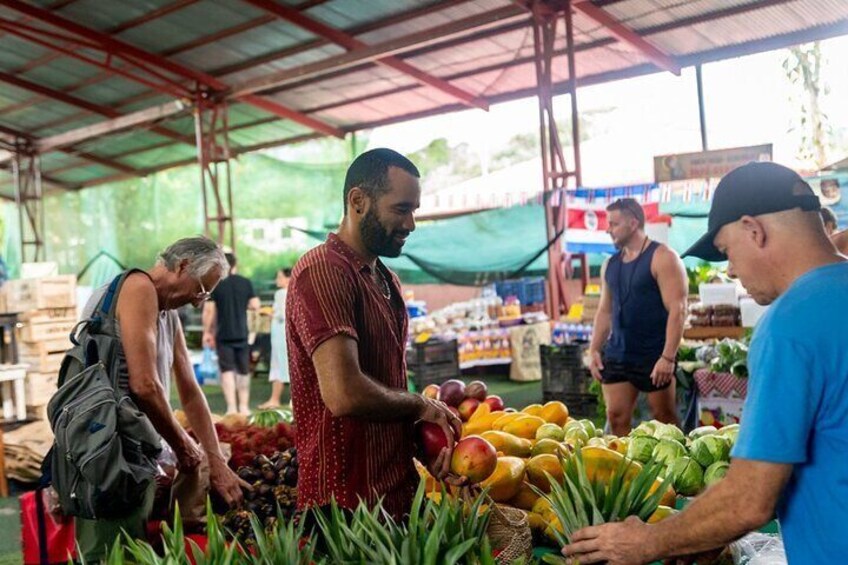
(332, 293)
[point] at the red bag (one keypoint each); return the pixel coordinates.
(44, 540)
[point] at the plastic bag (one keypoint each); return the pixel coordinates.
(208, 366)
(759, 549)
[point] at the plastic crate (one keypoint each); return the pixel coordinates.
(432, 374)
(530, 290)
(434, 351)
(563, 371)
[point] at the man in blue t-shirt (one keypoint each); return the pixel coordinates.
(790, 456)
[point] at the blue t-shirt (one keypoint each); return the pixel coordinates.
(797, 411)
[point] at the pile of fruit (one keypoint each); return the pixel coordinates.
(248, 441)
(514, 454)
(274, 486)
(462, 399)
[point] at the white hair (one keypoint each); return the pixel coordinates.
(202, 255)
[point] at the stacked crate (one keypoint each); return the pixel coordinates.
(47, 315)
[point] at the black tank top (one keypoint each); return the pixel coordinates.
(639, 316)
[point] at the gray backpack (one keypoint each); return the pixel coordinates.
(104, 450)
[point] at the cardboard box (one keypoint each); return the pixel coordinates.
(721, 397)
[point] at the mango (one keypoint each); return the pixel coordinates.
(550, 431)
(602, 462)
(619, 444)
(507, 444)
(505, 419)
(525, 499)
(524, 426)
(505, 482)
(482, 423)
(669, 498)
(536, 522)
(661, 513)
(474, 458)
(542, 506)
(548, 446)
(537, 468)
(554, 412)
(532, 410)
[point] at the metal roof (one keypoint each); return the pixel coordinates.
(297, 69)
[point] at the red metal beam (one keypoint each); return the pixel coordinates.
(135, 54)
(262, 59)
(350, 43)
(628, 36)
(234, 152)
(382, 50)
(82, 104)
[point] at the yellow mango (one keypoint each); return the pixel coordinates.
(532, 410)
(505, 419)
(506, 480)
(526, 498)
(602, 462)
(481, 424)
(618, 444)
(482, 411)
(542, 506)
(553, 524)
(554, 412)
(669, 498)
(524, 426)
(536, 522)
(537, 468)
(507, 444)
(661, 513)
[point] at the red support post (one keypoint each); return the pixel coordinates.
(26, 172)
(556, 172)
(213, 157)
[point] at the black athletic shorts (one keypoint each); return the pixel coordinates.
(234, 357)
(637, 374)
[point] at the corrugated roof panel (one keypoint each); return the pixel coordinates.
(160, 157)
(82, 174)
(266, 133)
(106, 15)
(344, 14)
(290, 62)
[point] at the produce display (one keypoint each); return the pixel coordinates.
(273, 494)
(563, 474)
(247, 441)
(538, 457)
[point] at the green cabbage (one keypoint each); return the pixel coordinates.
(641, 448)
(715, 472)
(707, 450)
(667, 451)
(687, 476)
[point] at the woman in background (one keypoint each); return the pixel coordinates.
(279, 372)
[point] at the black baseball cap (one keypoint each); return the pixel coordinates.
(752, 190)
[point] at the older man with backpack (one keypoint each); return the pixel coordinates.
(112, 407)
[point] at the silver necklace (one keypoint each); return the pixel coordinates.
(385, 289)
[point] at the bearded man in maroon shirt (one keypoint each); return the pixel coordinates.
(346, 328)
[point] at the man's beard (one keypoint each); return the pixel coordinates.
(375, 237)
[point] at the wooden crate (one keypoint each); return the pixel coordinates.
(48, 315)
(44, 356)
(39, 388)
(36, 294)
(52, 331)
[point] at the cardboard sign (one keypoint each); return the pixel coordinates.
(526, 361)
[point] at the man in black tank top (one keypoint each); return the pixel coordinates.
(639, 323)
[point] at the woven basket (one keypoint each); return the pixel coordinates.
(509, 531)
